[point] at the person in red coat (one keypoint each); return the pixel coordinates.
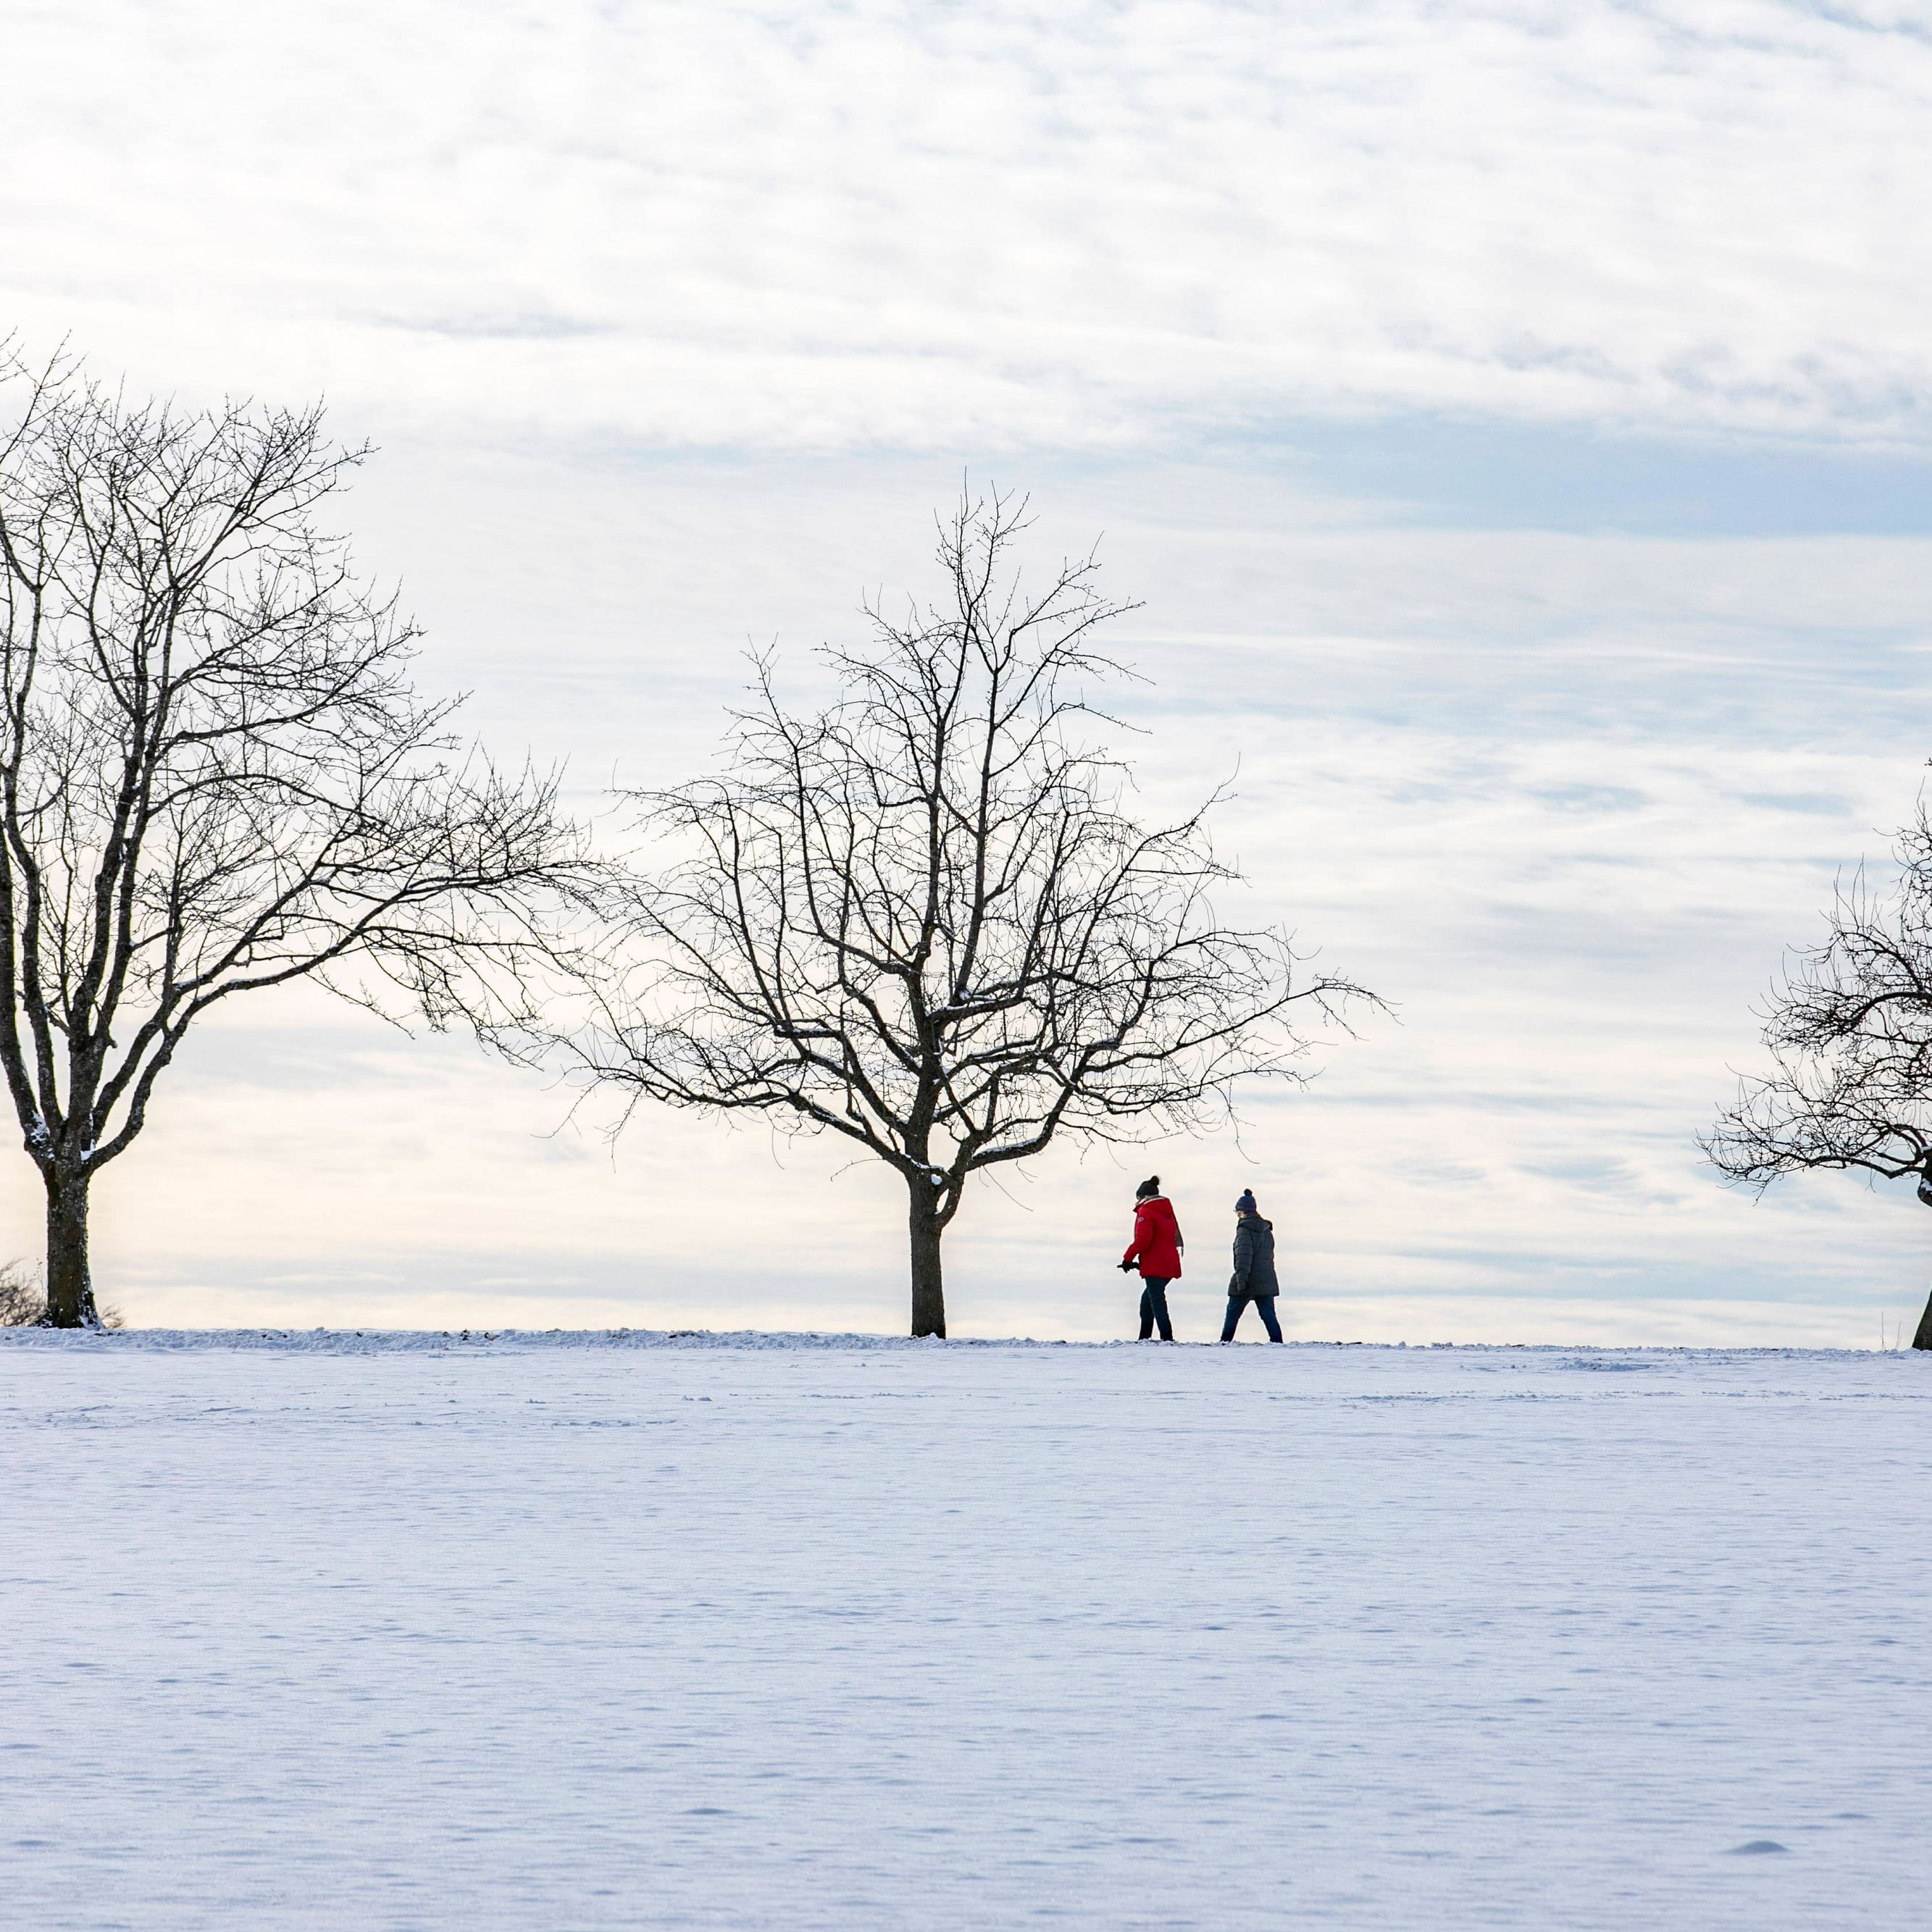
(1156, 1247)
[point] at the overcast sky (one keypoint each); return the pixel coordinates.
(1515, 419)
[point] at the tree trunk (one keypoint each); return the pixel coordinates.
(1923, 1339)
(928, 1294)
(70, 1288)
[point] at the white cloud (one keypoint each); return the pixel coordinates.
(935, 226)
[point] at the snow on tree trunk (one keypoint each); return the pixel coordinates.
(70, 1287)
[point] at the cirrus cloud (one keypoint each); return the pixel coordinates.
(927, 226)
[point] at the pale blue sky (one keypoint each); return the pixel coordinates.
(1516, 418)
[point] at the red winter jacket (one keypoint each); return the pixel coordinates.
(1156, 1241)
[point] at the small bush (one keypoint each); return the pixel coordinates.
(22, 1305)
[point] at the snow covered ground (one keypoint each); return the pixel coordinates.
(564, 1632)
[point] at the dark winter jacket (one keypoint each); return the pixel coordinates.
(1254, 1259)
(1156, 1241)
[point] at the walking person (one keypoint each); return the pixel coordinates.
(1253, 1278)
(1156, 1247)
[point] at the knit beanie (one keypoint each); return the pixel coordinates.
(1245, 1205)
(1148, 1189)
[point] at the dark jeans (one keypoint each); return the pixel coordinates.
(1265, 1303)
(1154, 1307)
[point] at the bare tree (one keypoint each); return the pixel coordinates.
(215, 776)
(920, 919)
(1850, 1029)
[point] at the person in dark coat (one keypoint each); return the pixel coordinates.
(1156, 1248)
(1253, 1278)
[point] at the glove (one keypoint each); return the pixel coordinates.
(1127, 1267)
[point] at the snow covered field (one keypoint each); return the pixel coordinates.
(566, 1632)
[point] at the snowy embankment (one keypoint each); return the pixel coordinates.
(588, 1631)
